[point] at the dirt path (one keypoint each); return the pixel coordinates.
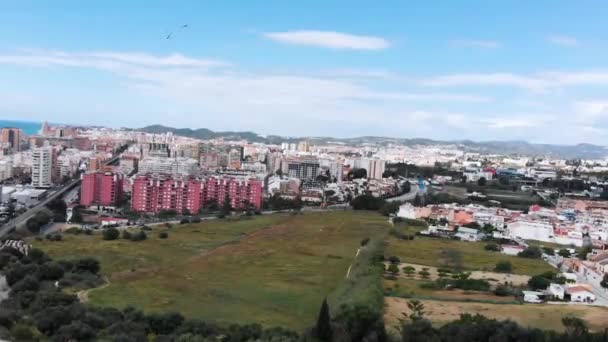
(83, 295)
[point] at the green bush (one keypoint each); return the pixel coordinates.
(110, 234)
(163, 235)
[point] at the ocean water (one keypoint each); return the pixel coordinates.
(27, 127)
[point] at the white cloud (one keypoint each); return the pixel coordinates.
(329, 39)
(474, 43)
(489, 79)
(527, 121)
(562, 40)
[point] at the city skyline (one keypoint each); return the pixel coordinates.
(314, 69)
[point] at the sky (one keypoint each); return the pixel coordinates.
(479, 70)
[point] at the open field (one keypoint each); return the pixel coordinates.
(543, 316)
(273, 270)
(471, 255)
(411, 288)
(493, 278)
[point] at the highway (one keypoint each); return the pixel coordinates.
(12, 224)
(15, 222)
(410, 196)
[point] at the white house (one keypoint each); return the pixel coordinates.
(533, 296)
(468, 234)
(557, 291)
(407, 211)
(580, 294)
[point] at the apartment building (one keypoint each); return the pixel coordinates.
(101, 188)
(152, 194)
(42, 167)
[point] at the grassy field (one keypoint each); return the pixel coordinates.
(433, 252)
(273, 270)
(410, 288)
(543, 316)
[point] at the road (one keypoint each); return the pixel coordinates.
(410, 196)
(600, 293)
(15, 222)
(12, 224)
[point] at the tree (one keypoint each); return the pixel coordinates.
(424, 274)
(564, 253)
(409, 270)
(417, 310)
(531, 253)
(163, 235)
(503, 267)
(110, 234)
(393, 269)
(227, 207)
(482, 181)
(582, 254)
(394, 260)
(539, 282)
(575, 327)
(76, 215)
(548, 251)
(323, 330)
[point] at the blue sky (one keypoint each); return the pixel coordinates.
(533, 70)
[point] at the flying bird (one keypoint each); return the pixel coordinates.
(181, 27)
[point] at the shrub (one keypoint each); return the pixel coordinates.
(531, 253)
(503, 267)
(126, 235)
(73, 230)
(163, 235)
(492, 247)
(424, 274)
(548, 251)
(110, 234)
(184, 221)
(139, 236)
(394, 260)
(196, 220)
(502, 291)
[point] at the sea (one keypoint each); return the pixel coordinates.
(28, 127)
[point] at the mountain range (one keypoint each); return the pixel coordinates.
(579, 151)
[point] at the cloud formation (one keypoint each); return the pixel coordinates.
(329, 39)
(562, 40)
(183, 90)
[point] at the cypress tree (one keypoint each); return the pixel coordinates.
(323, 331)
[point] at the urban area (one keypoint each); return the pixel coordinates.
(510, 236)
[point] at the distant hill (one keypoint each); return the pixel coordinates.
(582, 151)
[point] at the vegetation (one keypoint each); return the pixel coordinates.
(249, 270)
(110, 234)
(531, 252)
(504, 266)
(37, 310)
(453, 254)
(480, 328)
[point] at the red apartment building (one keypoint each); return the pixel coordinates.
(101, 188)
(152, 194)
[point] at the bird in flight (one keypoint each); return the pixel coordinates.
(181, 27)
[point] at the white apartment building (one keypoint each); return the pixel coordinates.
(179, 166)
(528, 229)
(42, 167)
(6, 169)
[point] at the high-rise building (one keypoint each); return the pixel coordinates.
(301, 168)
(12, 138)
(169, 166)
(42, 167)
(101, 188)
